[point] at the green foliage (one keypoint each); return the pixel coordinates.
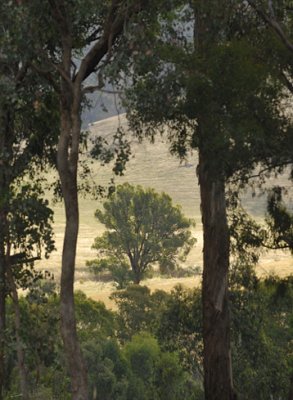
(175, 319)
(119, 271)
(28, 134)
(143, 229)
(279, 221)
(139, 369)
(155, 374)
(180, 328)
(250, 238)
(247, 236)
(44, 357)
(94, 320)
(39, 324)
(139, 310)
(228, 77)
(142, 353)
(30, 221)
(261, 330)
(261, 316)
(166, 363)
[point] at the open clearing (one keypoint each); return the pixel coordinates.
(150, 165)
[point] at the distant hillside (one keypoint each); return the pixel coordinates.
(152, 165)
(102, 106)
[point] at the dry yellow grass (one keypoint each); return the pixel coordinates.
(151, 165)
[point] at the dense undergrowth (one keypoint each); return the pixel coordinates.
(151, 347)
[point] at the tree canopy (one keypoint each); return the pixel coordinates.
(209, 81)
(143, 229)
(220, 77)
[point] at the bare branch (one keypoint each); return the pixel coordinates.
(263, 171)
(92, 89)
(96, 35)
(63, 74)
(273, 23)
(113, 27)
(287, 81)
(20, 258)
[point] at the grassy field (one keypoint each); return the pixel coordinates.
(150, 165)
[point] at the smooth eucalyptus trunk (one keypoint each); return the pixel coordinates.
(67, 167)
(218, 382)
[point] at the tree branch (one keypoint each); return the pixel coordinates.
(273, 23)
(91, 89)
(261, 172)
(59, 14)
(63, 74)
(113, 27)
(20, 258)
(287, 82)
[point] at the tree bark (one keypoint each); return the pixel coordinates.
(290, 396)
(136, 278)
(67, 162)
(2, 313)
(3, 199)
(218, 382)
(67, 158)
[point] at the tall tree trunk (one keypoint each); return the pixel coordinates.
(2, 311)
(218, 381)
(19, 347)
(67, 158)
(3, 195)
(290, 396)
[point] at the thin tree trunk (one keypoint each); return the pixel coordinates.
(3, 195)
(19, 347)
(67, 167)
(136, 275)
(290, 396)
(67, 160)
(218, 381)
(2, 314)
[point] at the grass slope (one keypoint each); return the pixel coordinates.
(150, 165)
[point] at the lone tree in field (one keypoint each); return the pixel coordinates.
(143, 229)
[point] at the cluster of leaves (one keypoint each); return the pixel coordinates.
(229, 83)
(279, 221)
(250, 238)
(151, 347)
(261, 329)
(139, 368)
(261, 336)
